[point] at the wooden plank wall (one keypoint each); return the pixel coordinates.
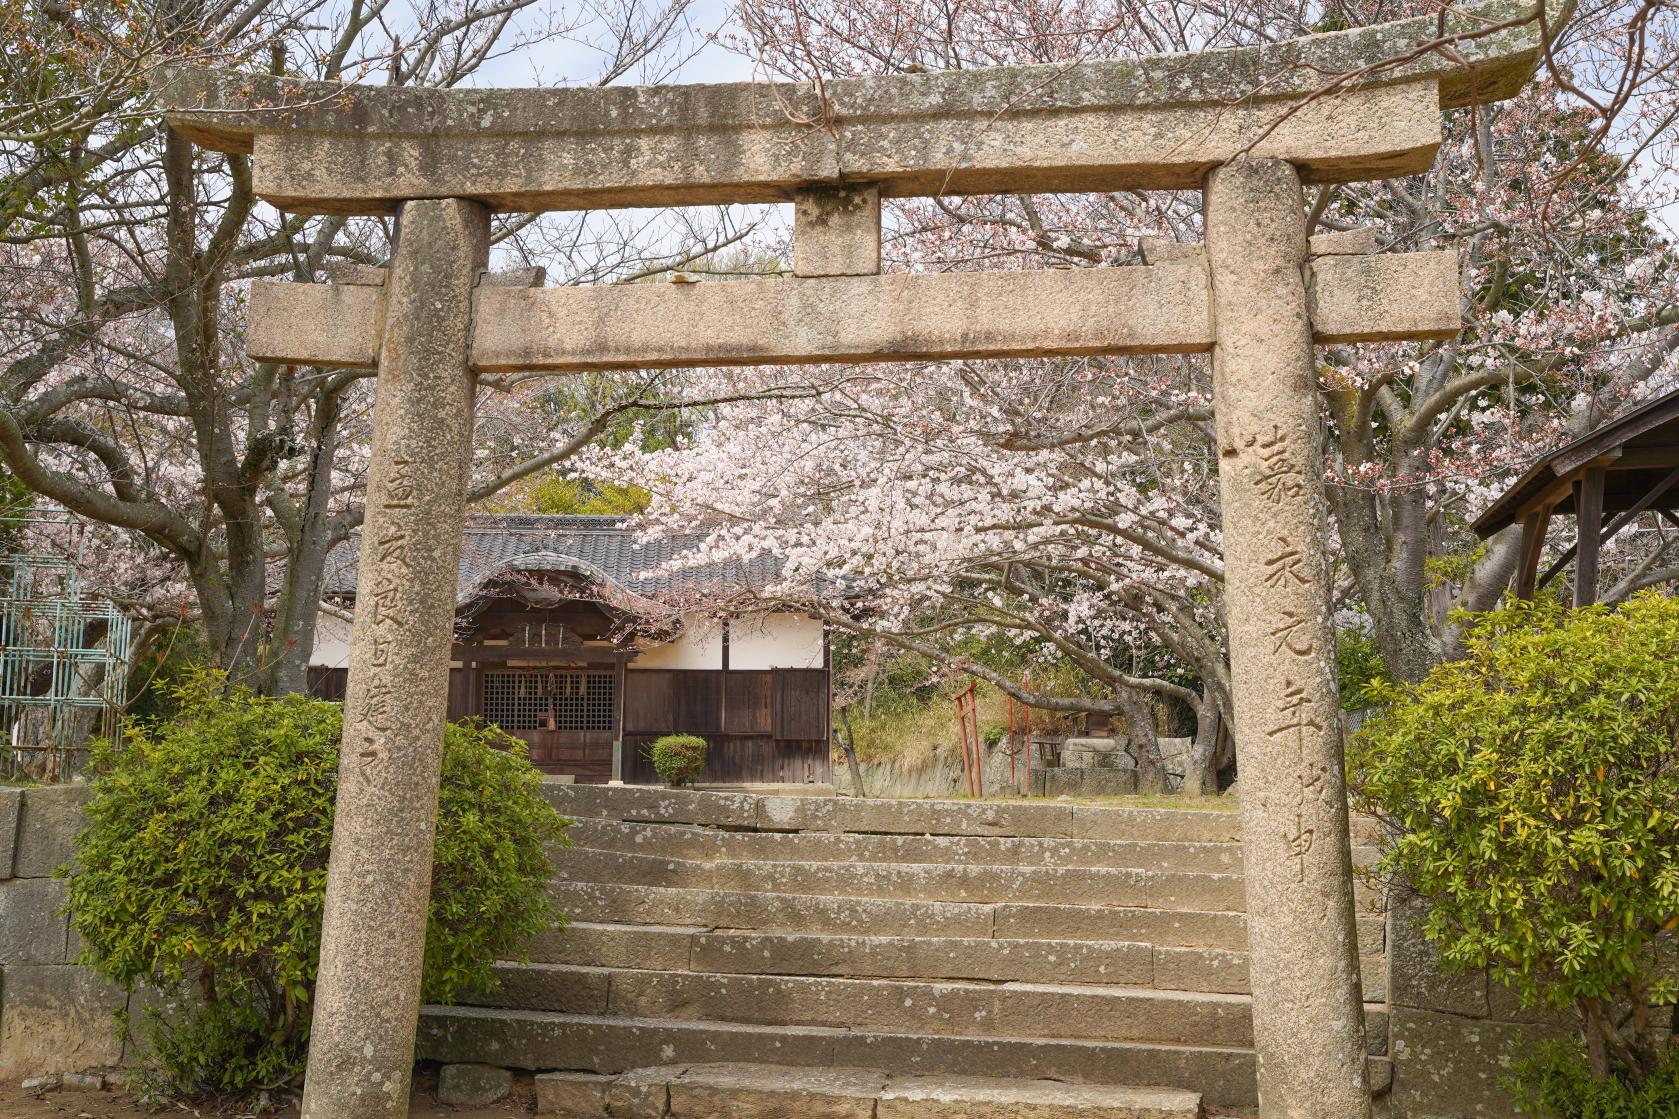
(328, 683)
(763, 727)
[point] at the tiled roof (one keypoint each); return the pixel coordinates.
(596, 548)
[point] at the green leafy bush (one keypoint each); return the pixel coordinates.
(203, 871)
(1361, 668)
(679, 758)
(1557, 1083)
(1534, 791)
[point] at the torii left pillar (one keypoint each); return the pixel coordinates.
(367, 996)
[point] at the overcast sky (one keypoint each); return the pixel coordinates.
(574, 61)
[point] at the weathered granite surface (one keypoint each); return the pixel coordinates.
(1162, 308)
(367, 997)
(1297, 858)
(1158, 121)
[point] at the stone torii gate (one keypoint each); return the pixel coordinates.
(1258, 295)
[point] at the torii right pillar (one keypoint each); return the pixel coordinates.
(1308, 1013)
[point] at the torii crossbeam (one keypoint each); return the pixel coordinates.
(1258, 295)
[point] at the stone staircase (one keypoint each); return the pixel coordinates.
(715, 934)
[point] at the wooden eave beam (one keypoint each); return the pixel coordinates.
(1551, 496)
(500, 654)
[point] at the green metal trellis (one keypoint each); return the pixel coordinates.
(61, 656)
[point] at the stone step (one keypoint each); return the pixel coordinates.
(775, 1092)
(687, 841)
(968, 1009)
(914, 881)
(1184, 928)
(897, 957)
(1127, 963)
(1216, 823)
(541, 1040)
(898, 1006)
(690, 841)
(615, 904)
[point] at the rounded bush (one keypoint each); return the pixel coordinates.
(202, 875)
(1532, 790)
(679, 758)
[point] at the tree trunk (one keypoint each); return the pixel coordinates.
(1145, 744)
(848, 743)
(1200, 777)
(297, 609)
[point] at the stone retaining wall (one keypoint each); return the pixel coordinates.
(55, 1017)
(1090, 767)
(1453, 1038)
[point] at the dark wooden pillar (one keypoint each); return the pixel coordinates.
(619, 665)
(1588, 518)
(1533, 545)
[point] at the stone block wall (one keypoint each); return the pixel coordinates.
(55, 1017)
(1453, 1038)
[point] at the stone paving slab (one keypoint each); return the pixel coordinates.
(1088, 962)
(667, 947)
(572, 1095)
(882, 816)
(742, 1091)
(1028, 819)
(1172, 928)
(968, 1097)
(768, 1092)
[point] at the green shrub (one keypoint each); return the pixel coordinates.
(1557, 1083)
(991, 734)
(203, 871)
(1534, 791)
(679, 758)
(1361, 668)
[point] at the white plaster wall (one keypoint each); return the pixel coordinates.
(691, 650)
(775, 641)
(332, 642)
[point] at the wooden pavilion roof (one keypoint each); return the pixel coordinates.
(1637, 453)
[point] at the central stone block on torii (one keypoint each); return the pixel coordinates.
(1246, 126)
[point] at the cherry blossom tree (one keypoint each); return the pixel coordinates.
(1072, 504)
(126, 398)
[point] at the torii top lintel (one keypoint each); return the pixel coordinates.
(1157, 122)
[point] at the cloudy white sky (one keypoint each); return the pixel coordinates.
(573, 60)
